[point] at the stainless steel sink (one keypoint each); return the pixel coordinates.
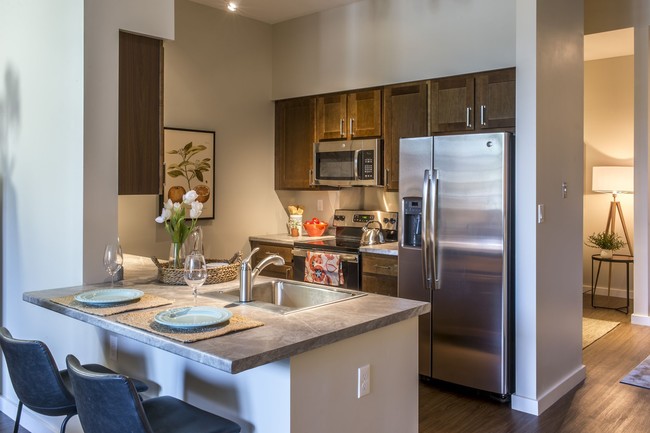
(287, 296)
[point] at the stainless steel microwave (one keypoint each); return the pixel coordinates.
(348, 163)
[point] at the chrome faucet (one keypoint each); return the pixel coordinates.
(247, 275)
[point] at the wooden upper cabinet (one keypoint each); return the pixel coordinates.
(452, 104)
(405, 116)
(140, 109)
(331, 116)
(495, 99)
(294, 137)
(349, 115)
(364, 114)
(473, 102)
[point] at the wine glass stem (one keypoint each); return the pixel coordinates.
(195, 293)
(112, 280)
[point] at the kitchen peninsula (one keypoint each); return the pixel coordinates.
(297, 372)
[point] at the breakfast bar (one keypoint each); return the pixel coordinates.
(293, 372)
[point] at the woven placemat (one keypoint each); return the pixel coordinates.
(145, 320)
(147, 301)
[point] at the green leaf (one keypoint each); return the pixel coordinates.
(188, 146)
(199, 175)
(175, 173)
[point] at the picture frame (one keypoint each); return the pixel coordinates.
(188, 163)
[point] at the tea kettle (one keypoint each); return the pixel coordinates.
(372, 236)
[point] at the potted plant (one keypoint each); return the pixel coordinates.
(607, 242)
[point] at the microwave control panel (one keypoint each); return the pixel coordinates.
(367, 158)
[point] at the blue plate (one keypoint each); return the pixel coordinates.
(108, 296)
(193, 317)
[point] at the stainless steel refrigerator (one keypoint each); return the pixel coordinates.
(455, 251)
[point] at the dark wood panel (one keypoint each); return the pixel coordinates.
(140, 114)
(495, 99)
(405, 116)
(379, 274)
(364, 114)
(331, 116)
(451, 98)
(294, 137)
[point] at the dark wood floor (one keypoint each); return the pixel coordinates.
(600, 404)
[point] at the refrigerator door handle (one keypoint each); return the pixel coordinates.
(434, 230)
(426, 269)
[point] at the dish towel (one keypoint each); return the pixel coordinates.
(323, 268)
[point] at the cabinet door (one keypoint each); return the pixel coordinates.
(294, 137)
(140, 125)
(331, 117)
(379, 274)
(405, 116)
(364, 114)
(452, 104)
(495, 99)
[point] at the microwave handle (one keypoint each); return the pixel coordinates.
(357, 161)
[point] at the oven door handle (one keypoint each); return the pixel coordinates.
(348, 258)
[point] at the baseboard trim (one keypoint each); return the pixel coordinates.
(28, 419)
(638, 319)
(614, 292)
(537, 407)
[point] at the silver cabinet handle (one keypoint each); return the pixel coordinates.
(352, 126)
(342, 127)
(388, 268)
(311, 178)
(483, 115)
(468, 120)
(387, 177)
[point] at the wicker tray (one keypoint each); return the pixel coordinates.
(217, 275)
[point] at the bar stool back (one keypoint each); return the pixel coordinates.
(109, 403)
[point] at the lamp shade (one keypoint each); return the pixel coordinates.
(613, 180)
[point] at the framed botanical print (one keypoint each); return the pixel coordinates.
(189, 164)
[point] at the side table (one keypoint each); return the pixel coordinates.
(617, 258)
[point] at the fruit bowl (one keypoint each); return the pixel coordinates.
(315, 229)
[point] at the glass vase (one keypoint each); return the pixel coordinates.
(177, 255)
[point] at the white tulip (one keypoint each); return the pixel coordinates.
(164, 216)
(190, 197)
(197, 208)
(169, 205)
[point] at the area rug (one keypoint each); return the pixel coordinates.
(640, 376)
(593, 329)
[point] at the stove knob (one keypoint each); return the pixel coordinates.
(385, 220)
(393, 220)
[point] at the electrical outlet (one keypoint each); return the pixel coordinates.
(363, 382)
(112, 339)
(319, 205)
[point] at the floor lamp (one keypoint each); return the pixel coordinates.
(614, 181)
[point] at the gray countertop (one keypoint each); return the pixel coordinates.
(282, 336)
(285, 239)
(389, 249)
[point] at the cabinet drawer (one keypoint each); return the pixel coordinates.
(379, 264)
(379, 284)
(266, 250)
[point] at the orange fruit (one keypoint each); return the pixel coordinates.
(175, 194)
(203, 192)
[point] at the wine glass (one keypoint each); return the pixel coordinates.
(195, 272)
(113, 260)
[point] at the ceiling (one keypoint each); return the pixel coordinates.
(275, 11)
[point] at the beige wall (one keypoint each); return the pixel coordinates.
(218, 78)
(609, 140)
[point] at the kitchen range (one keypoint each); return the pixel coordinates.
(337, 262)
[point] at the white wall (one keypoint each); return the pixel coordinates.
(370, 43)
(609, 140)
(58, 105)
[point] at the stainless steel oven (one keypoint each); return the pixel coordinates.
(343, 250)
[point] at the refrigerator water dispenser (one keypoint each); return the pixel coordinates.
(412, 211)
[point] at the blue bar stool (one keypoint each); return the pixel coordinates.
(37, 381)
(109, 403)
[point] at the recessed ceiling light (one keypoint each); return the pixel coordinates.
(232, 6)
